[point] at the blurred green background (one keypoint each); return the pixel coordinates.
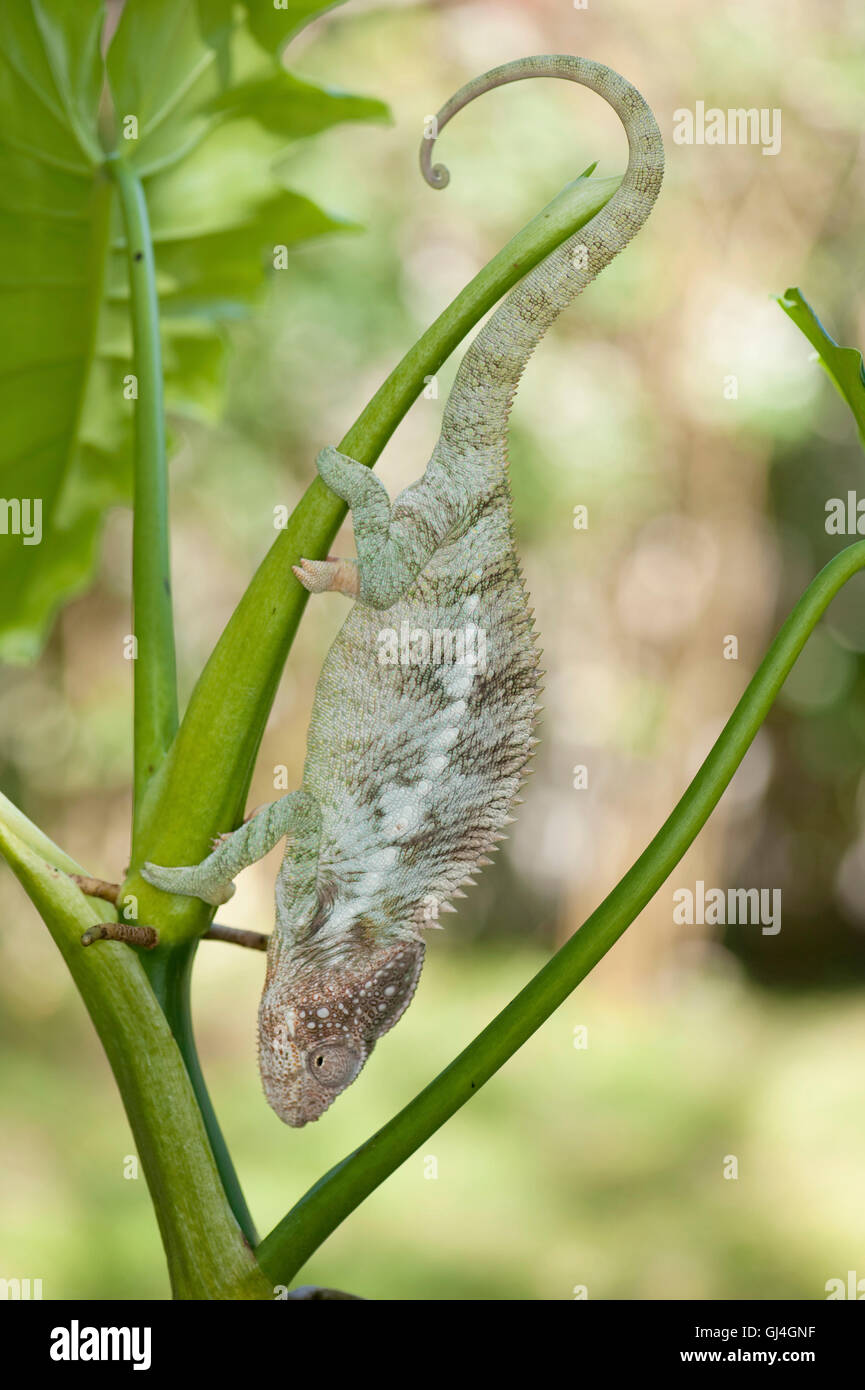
(598, 1166)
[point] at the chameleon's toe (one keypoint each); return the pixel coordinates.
(321, 576)
(168, 880)
(314, 575)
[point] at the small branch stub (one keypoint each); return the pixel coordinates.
(146, 937)
(97, 888)
(255, 940)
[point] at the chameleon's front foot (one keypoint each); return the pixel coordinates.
(330, 575)
(146, 937)
(192, 880)
(211, 880)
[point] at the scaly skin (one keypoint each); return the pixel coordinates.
(415, 755)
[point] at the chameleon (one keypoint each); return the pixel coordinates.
(424, 712)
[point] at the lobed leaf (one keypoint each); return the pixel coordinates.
(198, 88)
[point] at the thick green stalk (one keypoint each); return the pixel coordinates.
(337, 1194)
(208, 1257)
(153, 623)
(169, 970)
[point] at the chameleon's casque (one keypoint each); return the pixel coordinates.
(422, 722)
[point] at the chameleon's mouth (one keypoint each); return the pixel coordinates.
(298, 1100)
(294, 1113)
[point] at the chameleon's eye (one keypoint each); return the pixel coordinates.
(333, 1064)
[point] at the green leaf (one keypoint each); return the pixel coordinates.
(212, 110)
(290, 107)
(273, 25)
(54, 209)
(842, 364)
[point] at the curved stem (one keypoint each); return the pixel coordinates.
(153, 623)
(337, 1194)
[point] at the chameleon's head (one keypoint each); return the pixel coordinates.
(316, 1029)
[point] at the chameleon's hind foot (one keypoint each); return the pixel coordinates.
(330, 575)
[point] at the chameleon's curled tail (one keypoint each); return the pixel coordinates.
(495, 360)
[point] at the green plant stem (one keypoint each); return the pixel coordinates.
(208, 1257)
(155, 678)
(337, 1194)
(170, 973)
(156, 715)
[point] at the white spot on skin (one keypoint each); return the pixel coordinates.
(457, 679)
(346, 912)
(436, 764)
(323, 1013)
(400, 810)
(447, 738)
(383, 859)
(391, 989)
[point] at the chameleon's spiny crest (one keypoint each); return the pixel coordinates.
(423, 715)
